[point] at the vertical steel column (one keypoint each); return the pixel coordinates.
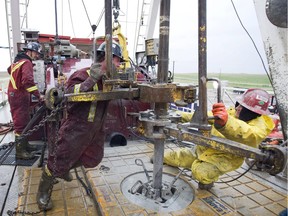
(162, 77)
(56, 22)
(163, 57)
(108, 38)
(202, 57)
(15, 22)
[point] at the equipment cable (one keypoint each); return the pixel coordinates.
(250, 167)
(71, 18)
(86, 13)
(98, 21)
(252, 41)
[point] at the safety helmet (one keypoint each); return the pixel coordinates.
(256, 100)
(33, 46)
(116, 50)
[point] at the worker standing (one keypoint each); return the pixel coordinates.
(81, 134)
(20, 89)
(247, 123)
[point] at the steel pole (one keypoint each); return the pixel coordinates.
(108, 38)
(162, 77)
(202, 61)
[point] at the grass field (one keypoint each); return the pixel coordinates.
(230, 80)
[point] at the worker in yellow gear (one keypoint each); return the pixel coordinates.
(247, 123)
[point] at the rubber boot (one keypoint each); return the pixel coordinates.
(29, 147)
(43, 195)
(68, 177)
(21, 149)
(202, 186)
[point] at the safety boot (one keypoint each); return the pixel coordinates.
(21, 149)
(44, 190)
(29, 147)
(202, 186)
(68, 177)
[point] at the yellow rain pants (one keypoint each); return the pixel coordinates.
(208, 164)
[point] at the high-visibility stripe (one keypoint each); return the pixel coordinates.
(92, 111)
(95, 87)
(33, 88)
(77, 88)
(14, 67)
(88, 71)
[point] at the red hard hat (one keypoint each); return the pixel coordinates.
(256, 100)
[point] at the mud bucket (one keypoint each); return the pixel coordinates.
(117, 139)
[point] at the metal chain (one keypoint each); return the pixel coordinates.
(36, 127)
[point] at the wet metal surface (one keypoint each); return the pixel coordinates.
(256, 193)
(248, 195)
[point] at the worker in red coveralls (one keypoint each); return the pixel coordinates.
(81, 135)
(20, 89)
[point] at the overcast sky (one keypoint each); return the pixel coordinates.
(229, 48)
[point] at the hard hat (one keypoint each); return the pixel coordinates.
(33, 46)
(116, 50)
(256, 100)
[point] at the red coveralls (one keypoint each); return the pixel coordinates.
(81, 136)
(20, 88)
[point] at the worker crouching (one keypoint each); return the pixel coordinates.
(247, 123)
(81, 135)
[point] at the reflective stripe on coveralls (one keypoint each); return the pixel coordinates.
(93, 106)
(79, 140)
(14, 68)
(31, 89)
(208, 164)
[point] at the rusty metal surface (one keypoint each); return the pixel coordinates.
(216, 143)
(102, 96)
(273, 157)
(185, 95)
(159, 93)
(108, 38)
(201, 112)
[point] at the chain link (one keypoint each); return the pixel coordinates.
(29, 132)
(35, 128)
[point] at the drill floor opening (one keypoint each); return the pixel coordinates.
(138, 190)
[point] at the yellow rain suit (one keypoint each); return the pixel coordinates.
(208, 164)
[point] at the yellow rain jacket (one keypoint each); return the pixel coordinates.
(208, 164)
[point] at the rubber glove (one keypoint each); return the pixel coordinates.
(220, 113)
(95, 71)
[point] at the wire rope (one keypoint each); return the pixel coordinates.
(71, 18)
(252, 41)
(86, 13)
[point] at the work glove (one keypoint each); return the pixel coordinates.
(95, 71)
(220, 114)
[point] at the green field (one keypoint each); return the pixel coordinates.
(230, 80)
